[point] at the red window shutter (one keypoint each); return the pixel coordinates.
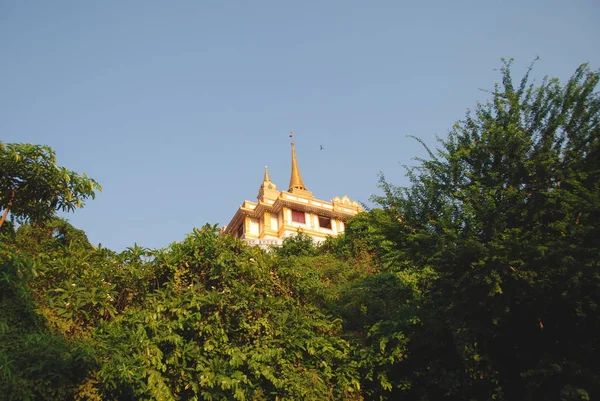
(298, 217)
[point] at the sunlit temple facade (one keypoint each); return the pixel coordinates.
(279, 214)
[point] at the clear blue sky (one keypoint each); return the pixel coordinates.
(175, 107)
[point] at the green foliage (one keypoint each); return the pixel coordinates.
(318, 280)
(207, 318)
(223, 326)
(506, 213)
(298, 245)
(35, 363)
(379, 312)
(370, 237)
(33, 187)
(478, 281)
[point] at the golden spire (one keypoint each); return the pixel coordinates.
(296, 179)
(267, 188)
(267, 181)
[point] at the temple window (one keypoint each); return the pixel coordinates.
(325, 222)
(274, 223)
(240, 231)
(298, 217)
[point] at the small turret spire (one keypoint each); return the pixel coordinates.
(295, 179)
(267, 188)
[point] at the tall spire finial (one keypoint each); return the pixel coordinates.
(295, 179)
(267, 178)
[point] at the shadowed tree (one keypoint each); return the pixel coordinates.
(506, 213)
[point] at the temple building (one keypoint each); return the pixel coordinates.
(279, 214)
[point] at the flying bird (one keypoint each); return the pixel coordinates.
(322, 147)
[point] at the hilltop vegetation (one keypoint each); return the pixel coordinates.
(480, 280)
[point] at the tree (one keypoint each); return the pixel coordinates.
(33, 187)
(35, 361)
(506, 214)
(297, 245)
(223, 325)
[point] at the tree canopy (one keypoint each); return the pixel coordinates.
(33, 187)
(505, 212)
(479, 280)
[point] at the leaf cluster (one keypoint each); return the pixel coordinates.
(33, 187)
